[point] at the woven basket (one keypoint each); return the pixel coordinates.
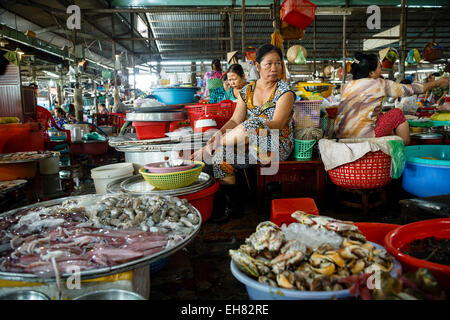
(173, 180)
(430, 53)
(370, 172)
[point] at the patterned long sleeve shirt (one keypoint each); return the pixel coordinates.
(360, 105)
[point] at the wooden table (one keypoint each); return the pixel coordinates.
(298, 179)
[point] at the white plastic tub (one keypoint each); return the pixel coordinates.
(105, 174)
(50, 165)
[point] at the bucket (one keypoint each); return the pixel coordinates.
(50, 165)
(427, 170)
(105, 174)
(303, 149)
(203, 200)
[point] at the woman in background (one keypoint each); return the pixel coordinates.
(359, 112)
(236, 79)
(59, 117)
(218, 94)
(71, 114)
(215, 73)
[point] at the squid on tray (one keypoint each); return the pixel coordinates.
(274, 257)
(92, 234)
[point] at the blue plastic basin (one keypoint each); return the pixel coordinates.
(175, 95)
(427, 177)
(260, 291)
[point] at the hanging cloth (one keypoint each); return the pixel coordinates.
(13, 57)
(277, 41)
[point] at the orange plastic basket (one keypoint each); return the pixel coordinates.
(221, 112)
(370, 172)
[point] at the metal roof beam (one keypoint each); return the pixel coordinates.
(175, 10)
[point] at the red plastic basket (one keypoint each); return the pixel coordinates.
(151, 129)
(283, 208)
(370, 172)
(298, 13)
(221, 112)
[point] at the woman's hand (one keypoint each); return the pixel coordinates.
(213, 143)
(210, 146)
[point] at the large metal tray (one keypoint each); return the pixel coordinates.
(137, 185)
(194, 137)
(163, 147)
(157, 116)
(101, 272)
(8, 186)
(169, 107)
(38, 157)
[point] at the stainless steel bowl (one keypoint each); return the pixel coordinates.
(24, 295)
(111, 294)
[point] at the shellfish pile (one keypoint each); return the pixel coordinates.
(273, 259)
(93, 231)
(153, 213)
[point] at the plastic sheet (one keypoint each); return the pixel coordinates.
(94, 136)
(312, 238)
(397, 152)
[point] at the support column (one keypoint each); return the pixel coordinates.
(115, 92)
(193, 73)
(344, 47)
(231, 17)
(401, 63)
(77, 92)
(276, 16)
(314, 45)
(133, 58)
(95, 95)
(243, 29)
(58, 92)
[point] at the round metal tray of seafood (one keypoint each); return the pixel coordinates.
(96, 235)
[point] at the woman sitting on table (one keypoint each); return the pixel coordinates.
(359, 112)
(264, 107)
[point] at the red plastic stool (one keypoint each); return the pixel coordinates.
(283, 208)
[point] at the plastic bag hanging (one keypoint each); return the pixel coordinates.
(300, 58)
(397, 152)
(410, 58)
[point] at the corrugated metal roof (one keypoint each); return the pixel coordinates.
(213, 31)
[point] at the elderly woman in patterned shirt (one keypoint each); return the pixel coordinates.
(359, 112)
(262, 122)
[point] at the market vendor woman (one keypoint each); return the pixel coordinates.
(359, 112)
(264, 107)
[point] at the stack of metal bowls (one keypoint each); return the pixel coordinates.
(110, 294)
(137, 185)
(24, 295)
